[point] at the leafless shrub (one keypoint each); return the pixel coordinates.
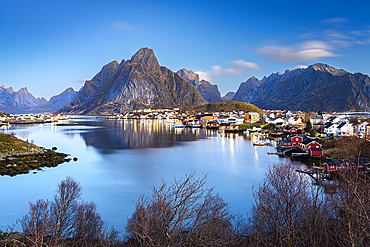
(288, 210)
(37, 224)
(64, 207)
(66, 221)
(183, 213)
(352, 204)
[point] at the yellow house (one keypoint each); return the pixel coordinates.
(252, 117)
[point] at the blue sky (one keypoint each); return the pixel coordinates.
(48, 46)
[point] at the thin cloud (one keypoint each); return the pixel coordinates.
(306, 51)
(315, 44)
(301, 66)
(123, 26)
(207, 75)
(204, 75)
(235, 68)
(239, 66)
(358, 33)
(336, 20)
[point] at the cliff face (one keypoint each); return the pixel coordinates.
(318, 87)
(209, 92)
(138, 81)
(248, 91)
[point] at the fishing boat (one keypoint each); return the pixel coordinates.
(262, 143)
(193, 124)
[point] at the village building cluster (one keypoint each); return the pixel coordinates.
(31, 118)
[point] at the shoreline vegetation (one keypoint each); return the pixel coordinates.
(21, 157)
(288, 210)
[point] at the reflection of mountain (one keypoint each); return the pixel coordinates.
(130, 134)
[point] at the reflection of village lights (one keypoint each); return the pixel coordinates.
(232, 144)
(255, 153)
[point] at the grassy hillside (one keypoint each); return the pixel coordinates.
(11, 144)
(227, 106)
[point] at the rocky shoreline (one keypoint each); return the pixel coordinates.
(23, 163)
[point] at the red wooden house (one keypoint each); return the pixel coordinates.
(315, 152)
(332, 166)
(309, 143)
(296, 140)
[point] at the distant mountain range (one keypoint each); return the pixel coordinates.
(23, 101)
(141, 82)
(317, 87)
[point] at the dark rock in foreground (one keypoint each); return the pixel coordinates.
(16, 164)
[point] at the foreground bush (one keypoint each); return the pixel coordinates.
(64, 221)
(183, 213)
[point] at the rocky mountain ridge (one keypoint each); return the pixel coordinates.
(141, 82)
(317, 87)
(22, 101)
(138, 82)
(209, 92)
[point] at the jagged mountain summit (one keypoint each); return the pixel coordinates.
(23, 101)
(64, 98)
(208, 91)
(317, 87)
(135, 83)
(228, 97)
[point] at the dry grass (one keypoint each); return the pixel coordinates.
(9, 144)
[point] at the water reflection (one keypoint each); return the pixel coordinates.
(119, 160)
(131, 134)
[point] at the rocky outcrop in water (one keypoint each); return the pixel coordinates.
(16, 164)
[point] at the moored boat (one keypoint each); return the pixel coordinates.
(178, 124)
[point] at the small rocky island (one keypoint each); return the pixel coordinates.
(20, 157)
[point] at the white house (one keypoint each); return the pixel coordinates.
(325, 117)
(293, 120)
(338, 119)
(330, 128)
(235, 120)
(360, 129)
(316, 120)
(222, 119)
(289, 114)
(275, 121)
(344, 129)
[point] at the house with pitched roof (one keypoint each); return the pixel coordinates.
(361, 129)
(344, 129)
(306, 144)
(316, 120)
(252, 117)
(329, 128)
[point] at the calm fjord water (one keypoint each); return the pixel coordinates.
(119, 160)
